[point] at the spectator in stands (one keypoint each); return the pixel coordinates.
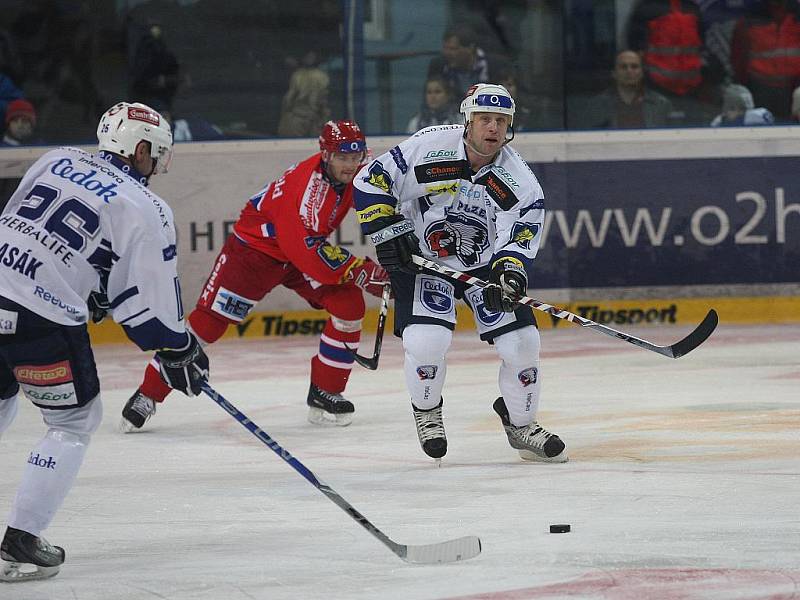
(438, 106)
(738, 109)
(462, 62)
(628, 103)
(154, 74)
(765, 54)
(305, 109)
(667, 35)
(523, 116)
(20, 123)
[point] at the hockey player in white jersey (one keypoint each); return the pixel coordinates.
(458, 194)
(82, 235)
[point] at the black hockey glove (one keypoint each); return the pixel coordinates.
(395, 243)
(507, 284)
(185, 370)
(98, 305)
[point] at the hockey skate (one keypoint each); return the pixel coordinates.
(23, 556)
(327, 408)
(137, 410)
(430, 429)
(532, 441)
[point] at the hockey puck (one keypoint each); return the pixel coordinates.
(560, 528)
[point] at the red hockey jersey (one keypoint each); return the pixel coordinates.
(291, 219)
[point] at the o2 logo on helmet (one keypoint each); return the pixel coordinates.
(494, 100)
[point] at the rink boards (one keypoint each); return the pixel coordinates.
(619, 314)
(642, 226)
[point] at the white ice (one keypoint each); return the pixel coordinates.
(683, 481)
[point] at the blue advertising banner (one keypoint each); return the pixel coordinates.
(669, 222)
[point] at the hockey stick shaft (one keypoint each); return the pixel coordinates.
(460, 549)
(676, 350)
(371, 363)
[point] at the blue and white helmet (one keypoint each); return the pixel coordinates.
(488, 97)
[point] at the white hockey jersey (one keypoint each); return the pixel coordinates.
(464, 220)
(79, 221)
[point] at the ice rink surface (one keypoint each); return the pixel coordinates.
(683, 480)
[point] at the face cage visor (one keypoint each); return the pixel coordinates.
(162, 157)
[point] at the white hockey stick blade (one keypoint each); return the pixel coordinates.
(444, 552)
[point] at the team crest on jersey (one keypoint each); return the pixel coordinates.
(522, 234)
(436, 295)
(378, 177)
(427, 372)
(528, 376)
(333, 256)
(458, 235)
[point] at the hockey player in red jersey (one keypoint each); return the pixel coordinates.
(281, 238)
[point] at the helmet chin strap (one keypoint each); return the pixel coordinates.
(475, 150)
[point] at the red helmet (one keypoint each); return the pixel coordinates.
(341, 136)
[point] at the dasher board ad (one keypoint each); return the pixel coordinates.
(669, 222)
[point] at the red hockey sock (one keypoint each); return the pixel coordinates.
(153, 386)
(330, 368)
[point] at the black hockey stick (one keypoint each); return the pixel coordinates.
(372, 363)
(443, 552)
(676, 350)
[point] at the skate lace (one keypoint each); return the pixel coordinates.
(143, 405)
(330, 395)
(532, 434)
(429, 424)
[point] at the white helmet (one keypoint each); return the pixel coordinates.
(125, 124)
(488, 97)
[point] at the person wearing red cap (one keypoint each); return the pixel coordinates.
(20, 123)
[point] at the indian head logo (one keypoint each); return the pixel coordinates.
(458, 235)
